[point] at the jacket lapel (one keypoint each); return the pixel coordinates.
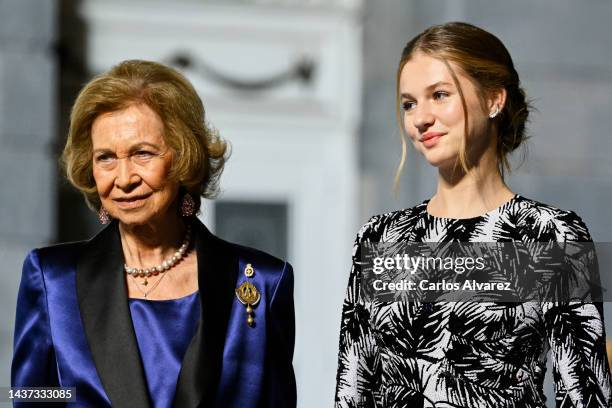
(104, 307)
(217, 273)
(103, 302)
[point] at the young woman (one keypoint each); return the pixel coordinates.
(462, 107)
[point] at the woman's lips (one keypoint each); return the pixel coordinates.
(430, 139)
(129, 203)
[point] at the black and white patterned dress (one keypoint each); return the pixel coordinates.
(445, 354)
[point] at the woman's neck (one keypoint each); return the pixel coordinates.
(466, 195)
(150, 244)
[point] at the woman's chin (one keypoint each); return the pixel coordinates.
(441, 162)
(146, 216)
(133, 218)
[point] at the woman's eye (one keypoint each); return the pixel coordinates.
(407, 105)
(440, 95)
(143, 154)
(103, 158)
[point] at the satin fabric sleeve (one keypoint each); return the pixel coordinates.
(33, 362)
(358, 358)
(282, 391)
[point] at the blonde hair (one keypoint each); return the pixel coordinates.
(484, 59)
(199, 152)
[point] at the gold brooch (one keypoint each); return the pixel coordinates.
(249, 296)
(249, 271)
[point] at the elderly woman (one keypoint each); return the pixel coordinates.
(154, 310)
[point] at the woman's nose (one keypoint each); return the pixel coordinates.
(423, 119)
(126, 178)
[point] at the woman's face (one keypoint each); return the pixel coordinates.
(433, 114)
(131, 164)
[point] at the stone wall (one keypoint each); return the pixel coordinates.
(27, 133)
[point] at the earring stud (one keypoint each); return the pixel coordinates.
(494, 113)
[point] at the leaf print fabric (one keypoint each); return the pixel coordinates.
(469, 354)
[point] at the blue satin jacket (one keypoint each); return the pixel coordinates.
(73, 328)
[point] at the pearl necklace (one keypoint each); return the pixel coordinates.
(164, 266)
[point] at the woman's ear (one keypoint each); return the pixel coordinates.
(496, 101)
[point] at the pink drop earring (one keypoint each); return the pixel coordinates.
(103, 216)
(188, 205)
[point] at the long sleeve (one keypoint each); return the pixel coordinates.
(358, 360)
(576, 335)
(33, 355)
(282, 381)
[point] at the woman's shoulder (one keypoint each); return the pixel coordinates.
(388, 225)
(532, 219)
(51, 260)
(245, 254)
(547, 221)
(248, 254)
(272, 272)
(60, 252)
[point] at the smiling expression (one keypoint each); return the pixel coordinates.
(131, 165)
(433, 115)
